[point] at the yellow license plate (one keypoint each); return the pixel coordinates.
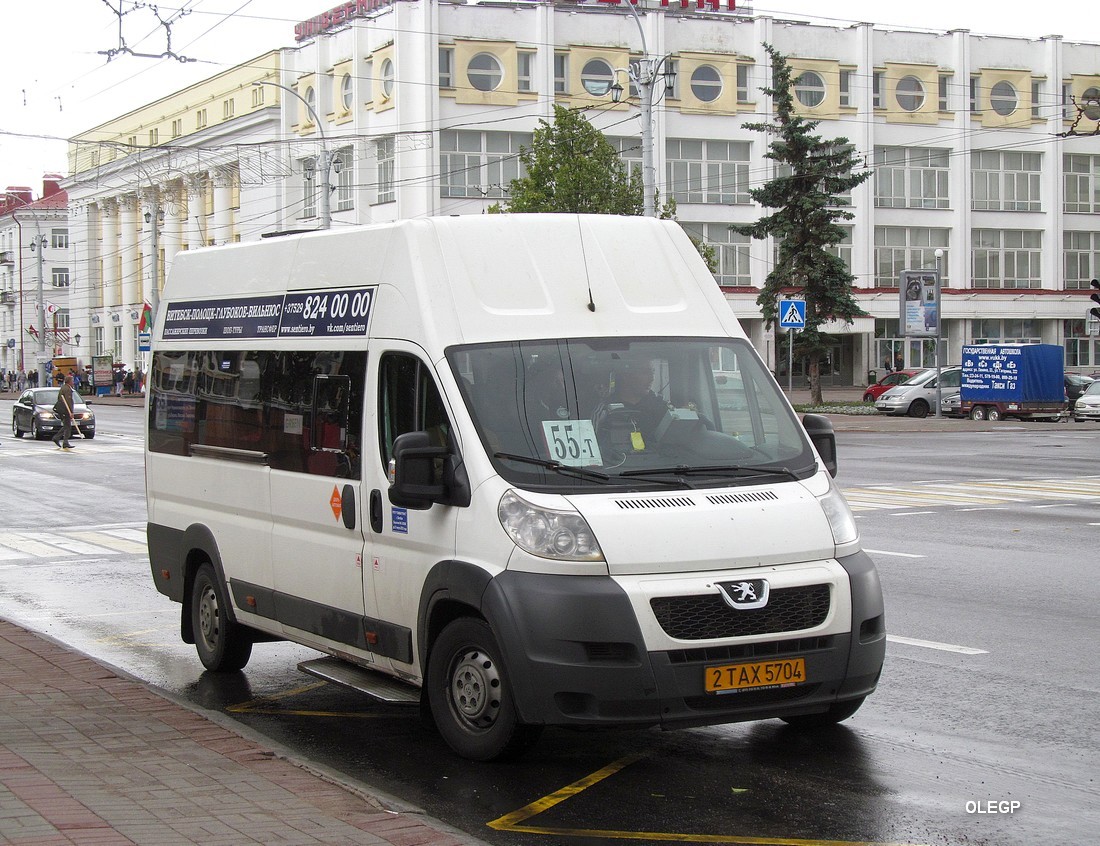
(784, 672)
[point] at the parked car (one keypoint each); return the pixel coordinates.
(951, 405)
(1087, 406)
(33, 412)
(888, 381)
(1076, 384)
(917, 397)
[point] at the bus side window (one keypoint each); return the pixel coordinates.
(409, 401)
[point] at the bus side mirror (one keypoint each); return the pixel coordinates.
(415, 461)
(820, 430)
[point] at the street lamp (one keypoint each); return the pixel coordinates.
(939, 331)
(647, 73)
(323, 162)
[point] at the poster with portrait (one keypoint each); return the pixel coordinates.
(920, 303)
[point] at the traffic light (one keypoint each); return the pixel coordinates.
(1094, 312)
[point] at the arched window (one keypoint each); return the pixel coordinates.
(1002, 98)
(386, 76)
(910, 93)
(706, 83)
(597, 77)
(346, 94)
(485, 72)
(809, 88)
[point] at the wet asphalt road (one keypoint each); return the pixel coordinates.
(985, 541)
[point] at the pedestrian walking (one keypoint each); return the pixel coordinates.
(63, 408)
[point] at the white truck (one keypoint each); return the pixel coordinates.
(524, 470)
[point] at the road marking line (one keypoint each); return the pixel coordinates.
(912, 513)
(897, 554)
(513, 821)
(931, 644)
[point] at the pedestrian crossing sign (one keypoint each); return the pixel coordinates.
(792, 314)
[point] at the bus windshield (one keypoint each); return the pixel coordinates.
(689, 412)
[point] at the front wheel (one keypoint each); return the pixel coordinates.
(868, 397)
(223, 646)
(470, 694)
(36, 431)
(838, 712)
(918, 408)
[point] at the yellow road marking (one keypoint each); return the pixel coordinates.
(513, 821)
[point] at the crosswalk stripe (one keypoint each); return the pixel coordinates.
(122, 541)
(982, 493)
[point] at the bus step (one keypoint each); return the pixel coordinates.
(383, 688)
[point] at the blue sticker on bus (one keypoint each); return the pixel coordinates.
(399, 520)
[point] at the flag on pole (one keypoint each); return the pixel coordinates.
(146, 323)
(52, 309)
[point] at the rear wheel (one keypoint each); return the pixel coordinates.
(470, 694)
(977, 412)
(993, 413)
(837, 712)
(918, 408)
(223, 646)
(15, 430)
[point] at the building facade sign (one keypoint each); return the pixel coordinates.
(341, 15)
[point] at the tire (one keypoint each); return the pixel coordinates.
(471, 697)
(36, 431)
(977, 412)
(918, 408)
(15, 430)
(868, 398)
(88, 435)
(223, 646)
(993, 414)
(838, 712)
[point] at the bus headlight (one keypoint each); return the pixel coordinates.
(841, 521)
(547, 532)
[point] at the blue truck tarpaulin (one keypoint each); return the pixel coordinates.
(1012, 373)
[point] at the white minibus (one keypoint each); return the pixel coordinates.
(523, 470)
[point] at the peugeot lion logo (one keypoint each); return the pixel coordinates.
(746, 594)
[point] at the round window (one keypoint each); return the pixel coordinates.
(386, 76)
(1002, 98)
(597, 77)
(346, 92)
(706, 83)
(1090, 103)
(809, 88)
(484, 72)
(910, 93)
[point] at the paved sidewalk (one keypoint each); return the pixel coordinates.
(88, 756)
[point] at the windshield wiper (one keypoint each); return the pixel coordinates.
(557, 466)
(685, 470)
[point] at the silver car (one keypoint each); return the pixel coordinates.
(917, 397)
(1087, 406)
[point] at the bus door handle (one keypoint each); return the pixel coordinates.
(376, 511)
(347, 508)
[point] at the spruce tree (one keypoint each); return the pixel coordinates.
(807, 202)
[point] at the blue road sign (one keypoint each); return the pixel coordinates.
(792, 314)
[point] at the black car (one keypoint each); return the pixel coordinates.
(1076, 385)
(33, 412)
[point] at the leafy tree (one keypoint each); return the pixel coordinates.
(572, 168)
(806, 196)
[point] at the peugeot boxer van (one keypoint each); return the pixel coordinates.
(526, 470)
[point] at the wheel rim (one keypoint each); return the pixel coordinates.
(209, 618)
(994, 415)
(475, 688)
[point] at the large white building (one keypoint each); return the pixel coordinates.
(982, 148)
(35, 276)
